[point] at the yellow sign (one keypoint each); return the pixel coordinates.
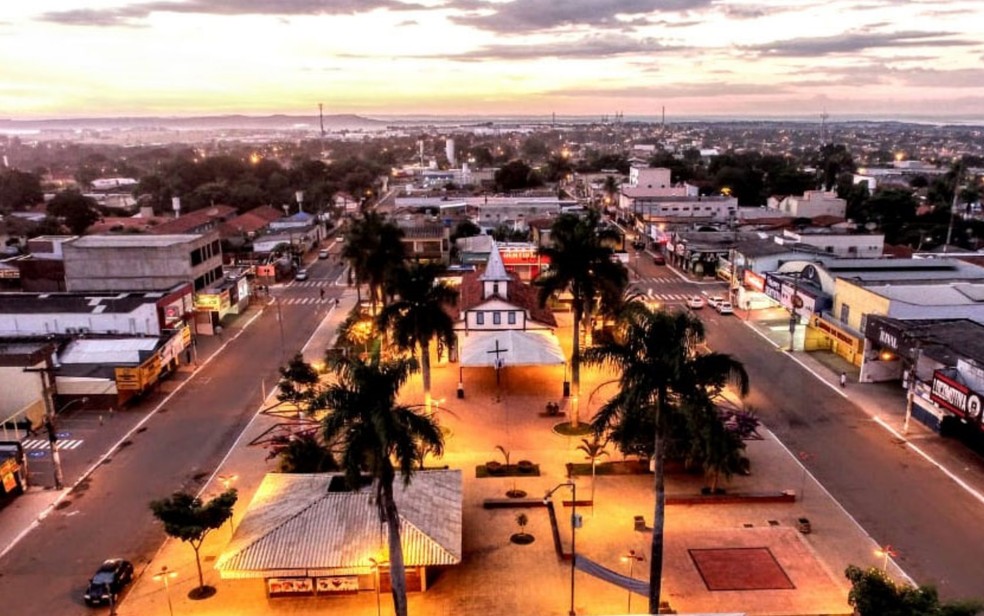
(128, 379)
(208, 302)
(185, 336)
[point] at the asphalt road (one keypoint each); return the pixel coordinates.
(178, 448)
(896, 496)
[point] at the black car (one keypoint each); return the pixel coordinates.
(108, 582)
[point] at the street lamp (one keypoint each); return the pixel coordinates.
(166, 576)
(374, 565)
(575, 523)
(632, 558)
(49, 425)
(886, 553)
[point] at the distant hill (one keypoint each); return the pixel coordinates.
(220, 122)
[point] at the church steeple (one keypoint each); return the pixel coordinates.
(495, 279)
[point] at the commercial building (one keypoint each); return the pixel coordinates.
(142, 262)
(810, 204)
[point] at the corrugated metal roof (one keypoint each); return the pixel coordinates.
(295, 523)
(114, 351)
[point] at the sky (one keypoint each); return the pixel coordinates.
(731, 58)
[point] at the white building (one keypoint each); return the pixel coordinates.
(811, 204)
(847, 245)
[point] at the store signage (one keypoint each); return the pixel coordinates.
(956, 397)
(773, 288)
(266, 270)
(341, 584)
(290, 586)
(208, 302)
(753, 281)
(521, 256)
(884, 335)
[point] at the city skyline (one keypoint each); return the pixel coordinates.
(474, 57)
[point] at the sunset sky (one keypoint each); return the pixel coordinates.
(97, 58)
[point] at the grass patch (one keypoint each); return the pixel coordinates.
(566, 429)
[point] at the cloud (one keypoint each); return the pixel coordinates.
(131, 14)
(591, 48)
(521, 16)
(720, 89)
(855, 42)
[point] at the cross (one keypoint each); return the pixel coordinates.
(498, 362)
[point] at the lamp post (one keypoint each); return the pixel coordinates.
(886, 553)
(49, 425)
(632, 558)
(165, 576)
(575, 522)
(374, 565)
(911, 388)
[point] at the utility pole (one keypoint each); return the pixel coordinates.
(49, 420)
(953, 207)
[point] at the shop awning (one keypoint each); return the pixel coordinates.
(516, 348)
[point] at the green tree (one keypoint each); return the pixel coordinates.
(580, 261)
(185, 517)
(516, 175)
(831, 161)
(379, 437)
(77, 211)
(298, 383)
(873, 593)
(661, 377)
(19, 190)
(374, 251)
(611, 187)
(593, 450)
(419, 315)
(302, 452)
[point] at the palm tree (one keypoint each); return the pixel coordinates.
(374, 251)
(420, 315)
(582, 262)
(661, 377)
(611, 187)
(378, 437)
(593, 450)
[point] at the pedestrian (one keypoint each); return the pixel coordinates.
(843, 379)
(336, 302)
(322, 290)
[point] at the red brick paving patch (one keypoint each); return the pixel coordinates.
(740, 569)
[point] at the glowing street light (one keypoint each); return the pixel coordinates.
(375, 565)
(632, 558)
(575, 523)
(886, 553)
(166, 576)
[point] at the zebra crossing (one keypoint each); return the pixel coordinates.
(658, 280)
(42, 443)
(307, 284)
(301, 301)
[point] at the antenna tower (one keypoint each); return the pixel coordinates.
(321, 118)
(823, 127)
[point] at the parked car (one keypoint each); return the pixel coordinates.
(302, 274)
(725, 308)
(714, 300)
(323, 253)
(109, 581)
(695, 302)
(659, 259)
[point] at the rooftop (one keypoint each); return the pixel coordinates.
(94, 303)
(132, 241)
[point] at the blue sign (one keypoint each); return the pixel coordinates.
(63, 434)
(36, 454)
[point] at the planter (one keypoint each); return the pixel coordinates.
(803, 526)
(525, 467)
(494, 468)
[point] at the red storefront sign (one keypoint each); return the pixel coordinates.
(956, 397)
(753, 281)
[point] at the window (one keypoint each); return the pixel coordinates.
(512, 317)
(845, 313)
(479, 318)
(495, 288)
(497, 318)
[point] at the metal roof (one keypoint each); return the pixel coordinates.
(137, 240)
(109, 351)
(295, 524)
(81, 303)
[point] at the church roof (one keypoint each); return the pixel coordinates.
(495, 270)
(521, 295)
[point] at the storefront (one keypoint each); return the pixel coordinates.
(750, 294)
(525, 261)
(824, 334)
(959, 399)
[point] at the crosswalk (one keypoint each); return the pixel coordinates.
(302, 301)
(657, 280)
(309, 284)
(42, 443)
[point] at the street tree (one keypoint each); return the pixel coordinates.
(874, 593)
(581, 262)
(187, 518)
(298, 383)
(419, 315)
(516, 175)
(19, 189)
(302, 452)
(378, 437)
(661, 377)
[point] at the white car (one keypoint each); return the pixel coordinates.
(695, 302)
(302, 274)
(725, 308)
(714, 300)
(323, 254)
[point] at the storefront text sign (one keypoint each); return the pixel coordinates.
(956, 397)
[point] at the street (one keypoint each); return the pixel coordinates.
(177, 448)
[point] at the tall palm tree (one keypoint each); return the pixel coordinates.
(379, 437)
(611, 187)
(581, 261)
(419, 315)
(661, 376)
(374, 251)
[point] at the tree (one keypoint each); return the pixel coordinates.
(19, 190)
(661, 378)
(379, 437)
(581, 262)
(611, 188)
(302, 452)
(419, 315)
(185, 517)
(76, 210)
(831, 161)
(297, 383)
(374, 251)
(593, 450)
(516, 175)
(873, 593)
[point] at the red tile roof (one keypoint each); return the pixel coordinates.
(188, 223)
